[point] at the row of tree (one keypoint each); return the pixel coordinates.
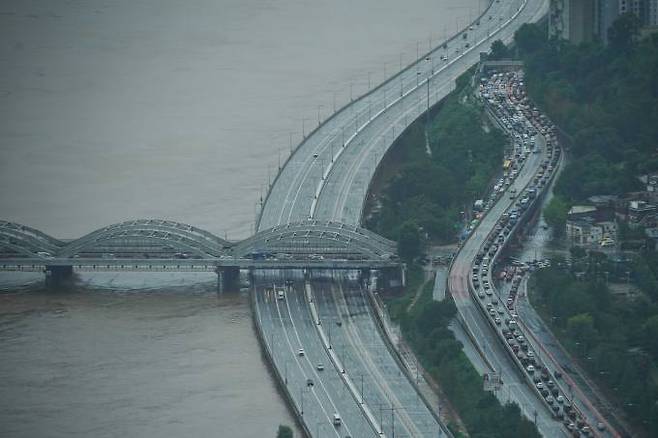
(424, 200)
(425, 328)
(605, 99)
(613, 337)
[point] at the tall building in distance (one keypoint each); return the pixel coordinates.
(651, 9)
(572, 20)
(579, 21)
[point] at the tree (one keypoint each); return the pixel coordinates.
(577, 252)
(409, 241)
(581, 329)
(499, 50)
(529, 38)
(624, 32)
(555, 214)
(284, 432)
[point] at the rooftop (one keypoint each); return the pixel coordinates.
(582, 209)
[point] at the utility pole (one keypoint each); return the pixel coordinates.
(361, 388)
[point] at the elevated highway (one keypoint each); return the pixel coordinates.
(310, 219)
(327, 178)
(328, 175)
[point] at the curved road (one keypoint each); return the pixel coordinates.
(327, 178)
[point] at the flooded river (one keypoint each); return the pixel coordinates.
(112, 110)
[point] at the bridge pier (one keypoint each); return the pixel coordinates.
(228, 278)
(392, 278)
(57, 274)
(365, 277)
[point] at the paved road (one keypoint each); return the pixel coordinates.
(287, 326)
(515, 387)
(386, 389)
(326, 180)
(544, 340)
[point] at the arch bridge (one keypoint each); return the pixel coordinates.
(316, 240)
(147, 240)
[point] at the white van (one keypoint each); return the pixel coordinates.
(337, 421)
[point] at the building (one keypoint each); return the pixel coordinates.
(577, 212)
(651, 182)
(605, 13)
(634, 6)
(641, 213)
(652, 12)
(580, 21)
(652, 238)
(572, 20)
(590, 226)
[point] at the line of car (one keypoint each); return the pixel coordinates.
(504, 96)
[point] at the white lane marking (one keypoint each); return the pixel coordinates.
(311, 365)
(378, 100)
(379, 380)
(301, 369)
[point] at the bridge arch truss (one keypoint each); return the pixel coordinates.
(147, 238)
(18, 240)
(317, 238)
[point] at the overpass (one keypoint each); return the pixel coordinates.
(327, 178)
(310, 219)
(162, 245)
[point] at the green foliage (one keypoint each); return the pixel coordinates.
(409, 242)
(614, 339)
(426, 329)
(604, 98)
(499, 51)
(555, 214)
(284, 432)
(431, 191)
(623, 33)
(529, 38)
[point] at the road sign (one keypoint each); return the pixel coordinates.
(491, 381)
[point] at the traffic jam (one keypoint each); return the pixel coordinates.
(504, 97)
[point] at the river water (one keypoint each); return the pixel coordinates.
(112, 110)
